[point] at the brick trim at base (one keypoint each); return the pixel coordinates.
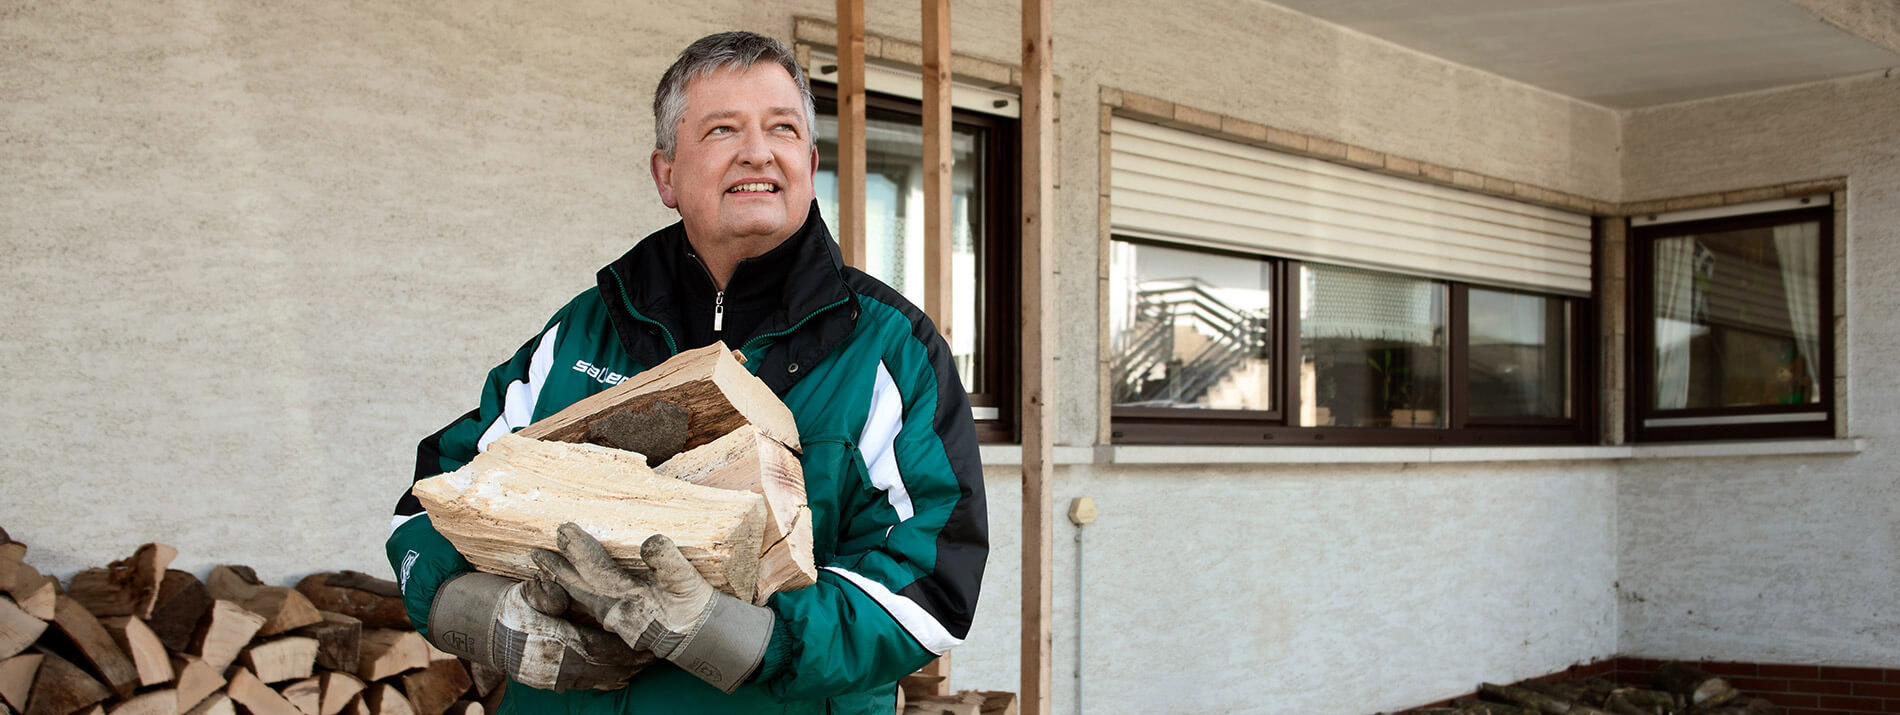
(1799, 689)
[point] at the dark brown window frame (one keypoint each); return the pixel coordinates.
(1000, 304)
(1643, 338)
(1161, 425)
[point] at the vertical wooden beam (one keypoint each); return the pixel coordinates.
(850, 219)
(937, 164)
(1038, 370)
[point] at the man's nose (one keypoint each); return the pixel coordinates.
(754, 151)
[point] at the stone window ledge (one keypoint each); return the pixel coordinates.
(997, 455)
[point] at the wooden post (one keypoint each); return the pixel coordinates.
(1038, 373)
(850, 218)
(938, 160)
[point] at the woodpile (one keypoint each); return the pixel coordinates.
(696, 448)
(139, 638)
(927, 692)
(1680, 689)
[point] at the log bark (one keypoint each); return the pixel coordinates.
(18, 629)
(283, 608)
(157, 702)
(96, 646)
(1695, 687)
(745, 459)
(716, 390)
(512, 497)
(16, 678)
(281, 659)
(127, 587)
(388, 652)
(62, 687)
(339, 640)
(181, 602)
(433, 689)
(197, 680)
(223, 633)
(256, 697)
(374, 601)
(339, 690)
(148, 655)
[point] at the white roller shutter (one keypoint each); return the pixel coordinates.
(1179, 186)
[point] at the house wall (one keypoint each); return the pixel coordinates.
(1779, 559)
(255, 251)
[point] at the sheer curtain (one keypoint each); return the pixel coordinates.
(1675, 289)
(1798, 246)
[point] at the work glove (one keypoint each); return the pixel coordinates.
(670, 611)
(488, 619)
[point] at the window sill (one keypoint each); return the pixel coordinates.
(1000, 455)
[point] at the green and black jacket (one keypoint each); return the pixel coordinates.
(892, 475)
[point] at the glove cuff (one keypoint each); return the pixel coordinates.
(462, 617)
(728, 645)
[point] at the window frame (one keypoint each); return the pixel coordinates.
(999, 304)
(1277, 426)
(1642, 302)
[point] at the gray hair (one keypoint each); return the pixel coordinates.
(712, 53)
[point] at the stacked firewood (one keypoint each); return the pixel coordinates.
(138, 637)
(1680, 689)
(927, 693)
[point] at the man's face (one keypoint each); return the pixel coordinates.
(744, 163)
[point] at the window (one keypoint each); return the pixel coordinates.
(1219, 347)
(1733, 329)
(983, 241)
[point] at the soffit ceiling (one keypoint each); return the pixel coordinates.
(1621, 54)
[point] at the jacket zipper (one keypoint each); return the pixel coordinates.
(719, 313)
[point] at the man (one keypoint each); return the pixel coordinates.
(889, 451)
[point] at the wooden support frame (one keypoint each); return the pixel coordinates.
(938, 159)
(1038, 374)
(851, 149)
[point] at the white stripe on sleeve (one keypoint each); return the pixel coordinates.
(915, 620)
(517, 407)
(396, 522)
(878, 443)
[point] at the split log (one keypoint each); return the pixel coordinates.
(512, 497)
(216, 704)
(96, 646)
(281, 659)
(339, 690)
(374, 601)
(920, 686)
(1536, 701)
(387, 652)
(18, 629)
(1697, 688)
(997, 702)
(31, 590)
(223, 633)
(197, 680)
(1637, 701)
(16, 678)
(157, 702)
(127, 587)
(62, 687)
(149, 658)
(180, 603)
(283, 608)
(466, 707)
(256, 697)
(339, 640)
(716, 390)
(486, 680)
(433, 689)
(746, 459)
(305, 695)
(385, 699)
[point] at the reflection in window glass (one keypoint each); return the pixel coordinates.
(893, 197)
(1737, 317)
(1372, 349)
(1189, 328)
(1519, 362)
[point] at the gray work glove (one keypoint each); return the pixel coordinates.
(487, 619)
(671, 611)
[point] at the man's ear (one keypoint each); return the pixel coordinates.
(663, 179)
(814, 164)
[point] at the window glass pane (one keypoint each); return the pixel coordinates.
(1189, 328)
(1372, 349)
(894, 228)
(1737, 317)
(1519, 356)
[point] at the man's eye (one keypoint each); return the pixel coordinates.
(720, 130)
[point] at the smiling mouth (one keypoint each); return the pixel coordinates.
(754, 188)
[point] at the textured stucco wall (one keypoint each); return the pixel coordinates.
(1779, 559)
(255, 251)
